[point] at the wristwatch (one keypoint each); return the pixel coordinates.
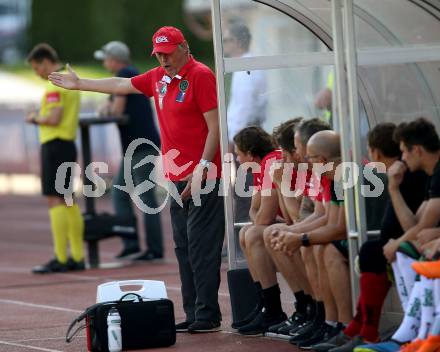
(205, 163)
(305, 240)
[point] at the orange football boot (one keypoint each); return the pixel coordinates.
(431, 344)
(431, 270)
(412, 346)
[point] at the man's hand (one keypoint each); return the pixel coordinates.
(275, 239)
(390, 249)
(194, 181)
(31, 116)
(104, 109)
(291, 243)
(68, 80)
(428, 235)
(288, 242)
(431, 249)
(273, 235)
(395, 174)
(276, 172)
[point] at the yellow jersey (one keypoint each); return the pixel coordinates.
(69, 100)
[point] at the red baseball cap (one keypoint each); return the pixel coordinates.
(166, 40)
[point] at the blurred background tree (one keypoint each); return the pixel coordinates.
(77, 29)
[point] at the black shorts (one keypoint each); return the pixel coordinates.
(342, 247)
(53, 154)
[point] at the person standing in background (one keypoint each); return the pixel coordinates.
(247, 103)
(115, 57)
(58, 122)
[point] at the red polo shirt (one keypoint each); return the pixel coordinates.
(318, 189)
(262, 180)
(181, 102)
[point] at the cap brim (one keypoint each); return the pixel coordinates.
(99, 55)
(164, 49)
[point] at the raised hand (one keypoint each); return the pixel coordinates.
(276, 172)
(395, 174)
(68, 80)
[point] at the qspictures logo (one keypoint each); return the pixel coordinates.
(293, 181)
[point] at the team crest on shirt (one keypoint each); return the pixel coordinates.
(183, 87)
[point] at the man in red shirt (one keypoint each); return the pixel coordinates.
(184, 92)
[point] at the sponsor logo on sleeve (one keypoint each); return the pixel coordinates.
(53, 97)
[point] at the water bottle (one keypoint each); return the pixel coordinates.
(114, 331)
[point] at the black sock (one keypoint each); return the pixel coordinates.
(259, 291)
(300, 302)
(311, 309)
(272, 300)
(310, 304)
(309, 299)
(319, 312)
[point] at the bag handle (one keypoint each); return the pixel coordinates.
(131, 294)
(69, 337)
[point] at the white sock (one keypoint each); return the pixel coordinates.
(427, 318)
(409, 275)
(436, 327)
(332, 323)
(409, 327)
(400, 285)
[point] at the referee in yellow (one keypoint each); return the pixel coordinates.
(58, 122)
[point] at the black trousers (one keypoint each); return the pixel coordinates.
(198, 233)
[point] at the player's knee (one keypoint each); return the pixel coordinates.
(254, 237)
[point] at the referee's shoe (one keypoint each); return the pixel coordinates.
(52, 266)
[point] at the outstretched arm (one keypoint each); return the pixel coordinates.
(114, 85)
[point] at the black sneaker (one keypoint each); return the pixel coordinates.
(201, 326)
(183, 327)
(297, 320)
(148, 256)
(325, 333)
(299, 327)
(261, 323)
(128, 252)
(248, 318)
(336, 341)
(73, 265)
(52, 266)
(273, 329)
(306, 332)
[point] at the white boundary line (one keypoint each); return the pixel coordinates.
(42, 306)
(27, 346)
(46, 339)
